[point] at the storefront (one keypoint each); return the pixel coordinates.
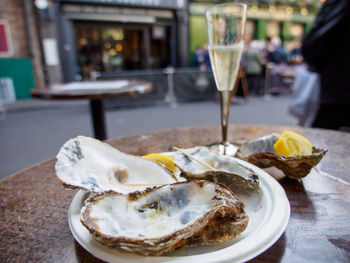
(120, 35)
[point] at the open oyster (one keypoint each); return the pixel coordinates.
(161, 219)
(260, 152)
(94, 166)
(200, 163)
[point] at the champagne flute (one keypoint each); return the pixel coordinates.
(225, 28)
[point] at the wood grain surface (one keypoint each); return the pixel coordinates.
(34, 205)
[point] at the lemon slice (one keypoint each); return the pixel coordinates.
(163, 159)
(291, 143)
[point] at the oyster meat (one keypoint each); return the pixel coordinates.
(200, 163)
(260, 152)
(161, 219)
(89, 164)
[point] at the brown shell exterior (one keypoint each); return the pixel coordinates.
(295, 167)
(218, 225)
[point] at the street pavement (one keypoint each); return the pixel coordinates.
(34, 130)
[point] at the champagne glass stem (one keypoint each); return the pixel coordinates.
(225, 111)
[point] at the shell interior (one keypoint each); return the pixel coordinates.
(161, 219)
(92, 165)
(156, 214)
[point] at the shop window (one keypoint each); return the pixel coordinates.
(134, 54)
(102, 47)
(160, 50)
(89, 53)
(296, 30)
(112, 49)
(106, 48)
(273, 28)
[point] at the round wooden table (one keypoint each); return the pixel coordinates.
(34, 205)
(95, 92)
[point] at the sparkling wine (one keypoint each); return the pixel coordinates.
(225, 28)
(225, 62)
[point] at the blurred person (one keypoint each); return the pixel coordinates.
(253, 67)
(206, 57)
(203, 62)
(198, 57)
(295, 54)
(326, 48)
(201, 58)
(276, 54)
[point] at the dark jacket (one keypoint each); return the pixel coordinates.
(326, 48)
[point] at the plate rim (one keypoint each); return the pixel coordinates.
(278, 218)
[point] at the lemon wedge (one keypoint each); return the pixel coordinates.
(163, 159)
(291, 143)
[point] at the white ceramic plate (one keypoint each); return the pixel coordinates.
(268, 213)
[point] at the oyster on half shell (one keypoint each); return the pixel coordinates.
(260, 152)
(161, 219)
(89, 164)
(200, 163)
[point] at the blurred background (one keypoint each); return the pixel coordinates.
(45, 42)
(50, 42)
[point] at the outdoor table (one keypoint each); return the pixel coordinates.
(34, 204)
(95, 92)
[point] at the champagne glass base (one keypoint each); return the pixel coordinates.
(229, 148)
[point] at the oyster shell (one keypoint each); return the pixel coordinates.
(260, 152)
(161, 219)
(89, 164)
(200, 163)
